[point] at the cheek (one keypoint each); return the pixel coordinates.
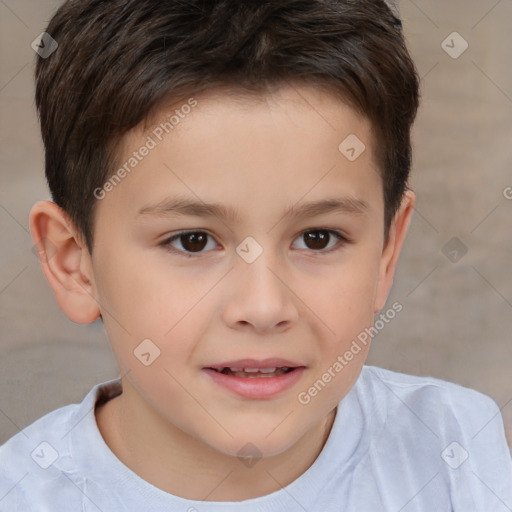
(140, 294)
(346, 312)
(351, 292)
(147, 302)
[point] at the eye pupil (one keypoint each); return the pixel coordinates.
(318, 239)
(198, 241)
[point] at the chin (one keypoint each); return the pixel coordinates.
(249, 449)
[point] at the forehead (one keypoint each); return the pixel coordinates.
(237, 148)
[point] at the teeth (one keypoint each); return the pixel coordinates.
(256, 372)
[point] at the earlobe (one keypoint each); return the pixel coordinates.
(392, 249)
(65, 261)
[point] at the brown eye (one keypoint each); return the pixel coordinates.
(191, 242)
(317, 239)
(321, 240)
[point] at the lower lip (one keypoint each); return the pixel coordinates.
(256, 387)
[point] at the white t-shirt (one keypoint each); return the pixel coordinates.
(398, 443)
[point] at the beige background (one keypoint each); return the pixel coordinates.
(456, 323)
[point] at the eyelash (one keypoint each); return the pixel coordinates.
(342, 240)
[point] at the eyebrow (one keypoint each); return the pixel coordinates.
(184, 206)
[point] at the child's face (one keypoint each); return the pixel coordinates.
(303, 299)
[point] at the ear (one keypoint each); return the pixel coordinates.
(66, 262)
(392, 249)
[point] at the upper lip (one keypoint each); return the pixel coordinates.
(271, 362)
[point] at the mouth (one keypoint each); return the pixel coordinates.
(254, 373)
(256, 379)
(256, 368)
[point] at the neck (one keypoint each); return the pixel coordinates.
(177, 463)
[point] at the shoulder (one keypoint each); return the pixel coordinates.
(39, 460)
(456, 433)
(429, 395)
(31, 452)
(424, 390)
(35, 442)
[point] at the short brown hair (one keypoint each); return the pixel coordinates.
(119, 61)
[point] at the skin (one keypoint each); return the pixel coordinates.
(172, 425)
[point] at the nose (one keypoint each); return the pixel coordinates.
(260, 297)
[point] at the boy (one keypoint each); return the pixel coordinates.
(275, 136)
